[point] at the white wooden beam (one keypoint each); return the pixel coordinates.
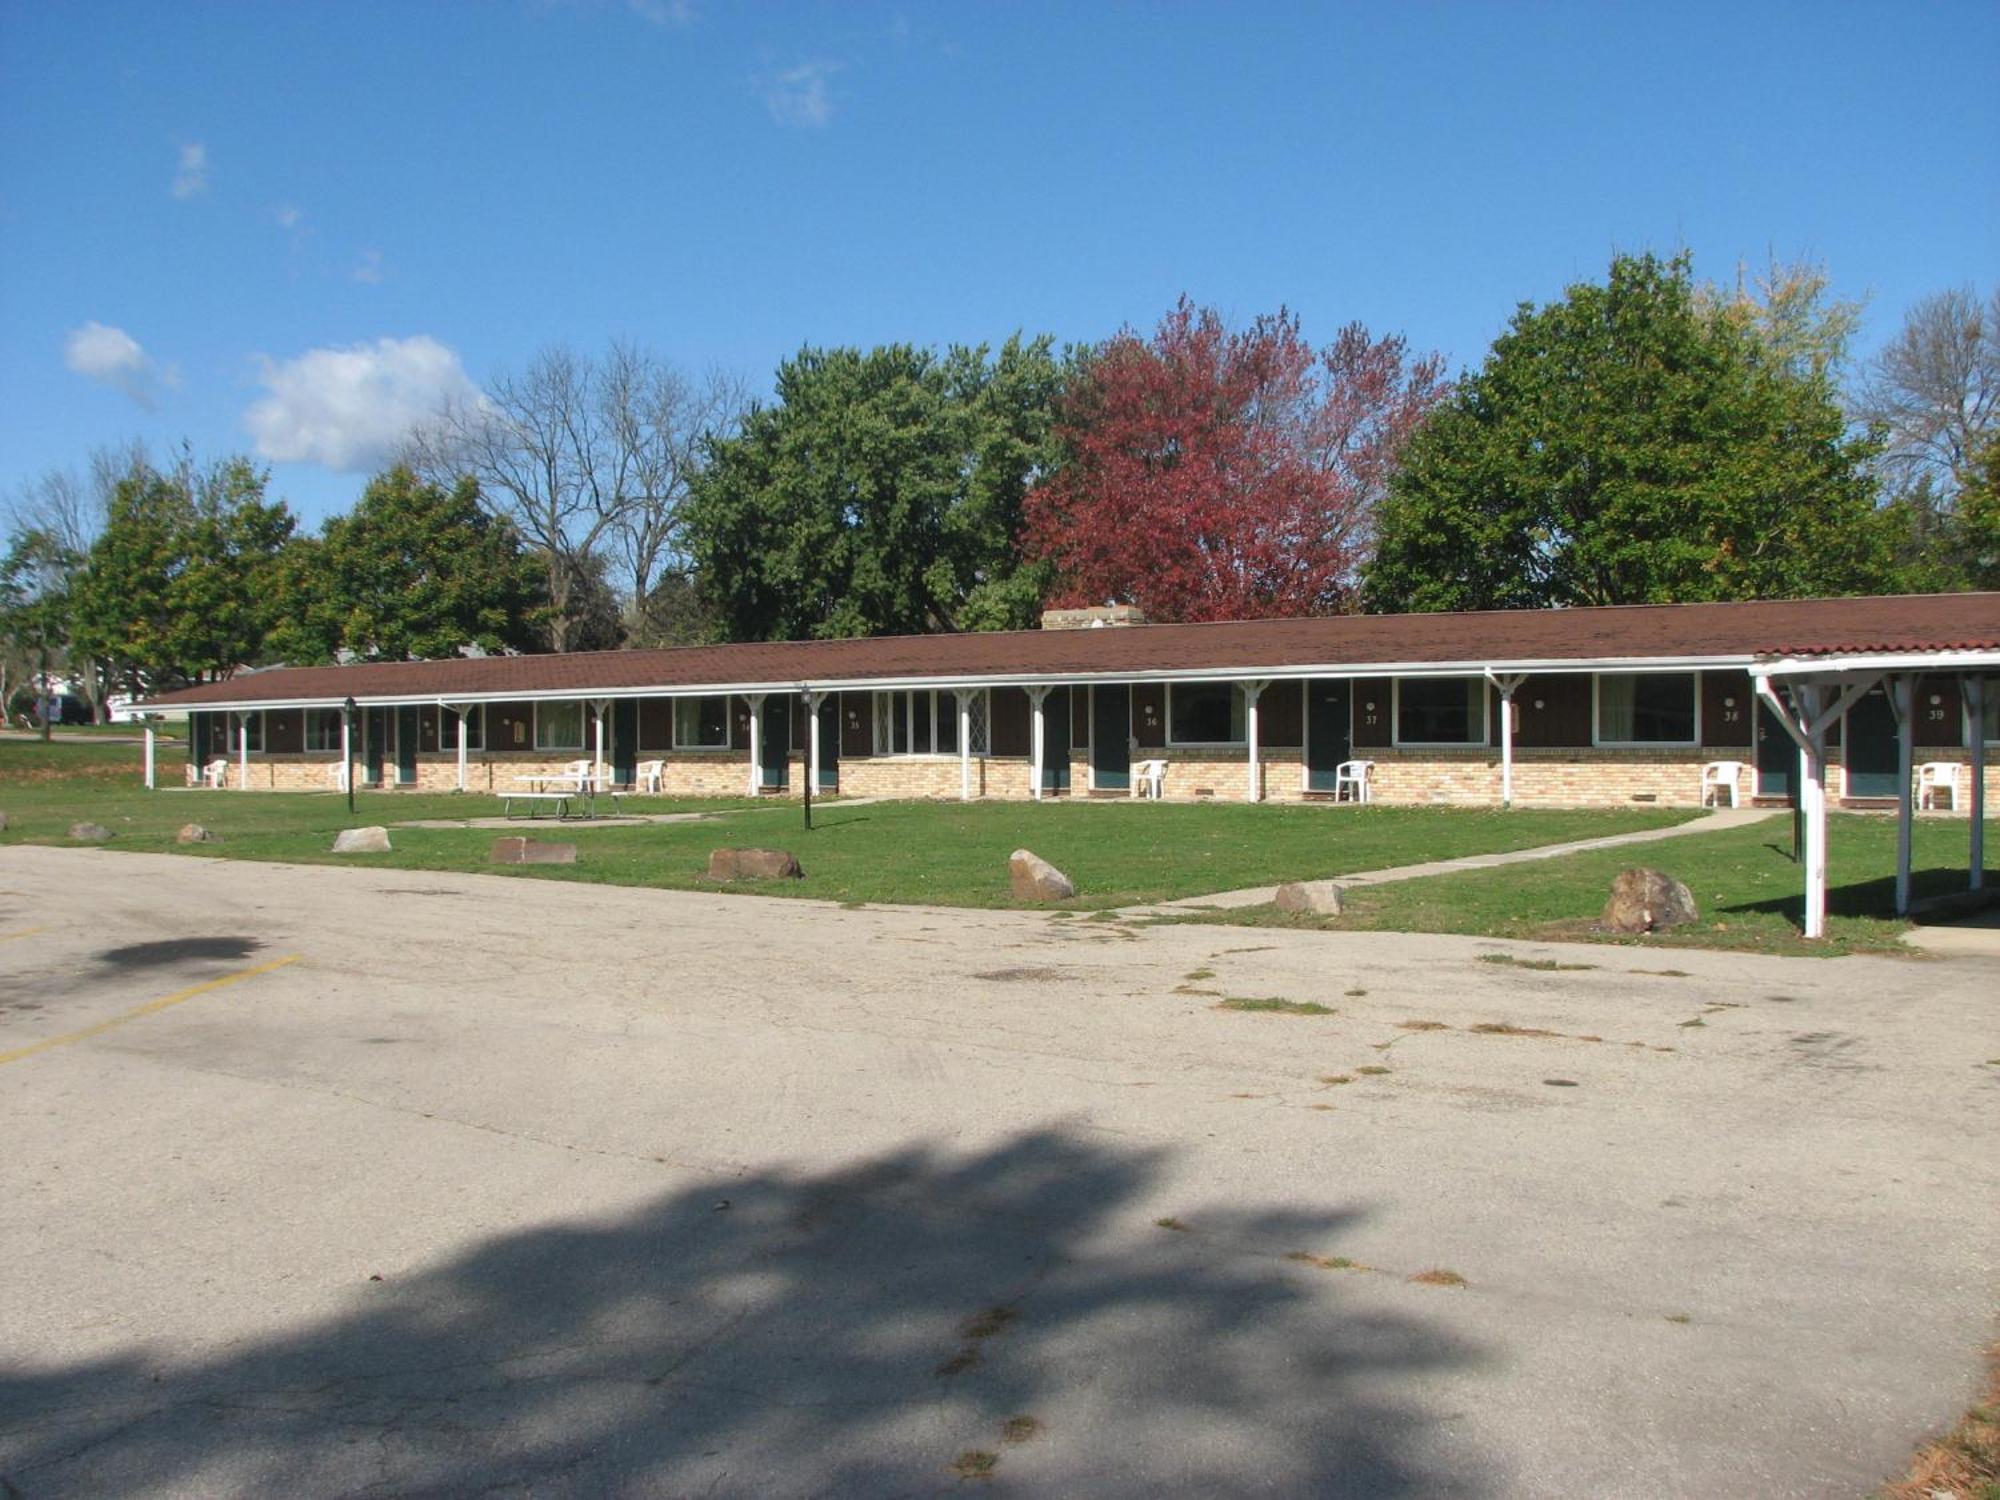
(1902, 699)
(1506, 682)
(1252, 691)
(1037, 696)
(756, 701)
(812, 702)
(151, 753)
(346, 749)
(963, 698)
(243, 752)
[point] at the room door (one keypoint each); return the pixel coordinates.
(1329, 731)
(1111, 737)
(1777, 757)
(1055, 741)
(1868, 746)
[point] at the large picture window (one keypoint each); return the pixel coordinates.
(559, 726)
(1646, 708)
(475, 728)
(1204, 713)
(925, 722)
(323, 729)
(1441, 711)
(701, 723)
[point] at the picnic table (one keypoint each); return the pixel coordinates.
(559, 790)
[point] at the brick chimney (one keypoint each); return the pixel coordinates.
(1095, 617)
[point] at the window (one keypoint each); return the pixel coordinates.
(323, 728)
(701, 723)
(474, 721)
(1653, 708)
(925, 722)
(1204, 713)
(1440, 710)
(559, 726)
(248, 727)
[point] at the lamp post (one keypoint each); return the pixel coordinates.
(347, 771)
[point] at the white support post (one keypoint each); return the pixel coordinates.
(243, 752)
(1975, 709)
(1252, 691)
(462, 710)
(1807, 728)
(1037, 696)
(1902, 700)
(1506, 684)
(964, 700)
(346, 750)
(812, 702)
(756, 701)
(597, 707)
(151, 759)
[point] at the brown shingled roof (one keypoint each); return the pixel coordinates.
(1798, 627)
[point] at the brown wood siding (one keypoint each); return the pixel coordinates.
(1281, 716)
(1940, 724)
(1555, 712)
(1011, 728)
(1728, 709)
(1079, 718)
(656, 723)
(1374, 713)
(427, 730)
(285, 731)
(1149, 715)
(857, 724)
(739, 723)
(510, 726)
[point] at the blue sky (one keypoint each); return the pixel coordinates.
(275, 228)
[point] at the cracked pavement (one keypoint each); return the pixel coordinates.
(522, 1187)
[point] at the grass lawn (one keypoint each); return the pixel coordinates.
(1748, 890)
(946, 853)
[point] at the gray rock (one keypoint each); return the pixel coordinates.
(1035, 879)
(1648, 901)
(753, 864)
(362, 841)
(194, 833)
(1320, 897)
(89, 833)
(520, 851)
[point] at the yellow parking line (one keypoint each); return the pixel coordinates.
(147, 1009)
(24, 932)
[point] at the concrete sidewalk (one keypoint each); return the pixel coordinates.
(1715, 822)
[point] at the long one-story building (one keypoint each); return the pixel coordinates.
(1574, 707)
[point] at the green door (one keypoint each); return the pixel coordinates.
(1869, 746)
(1111, 737)
(774, 742)
(406, 745)
(1777, 757)
(1329, 731)
(625, 741)
(198, 739)
(1055, 741)
(376, 726)
(829, 743)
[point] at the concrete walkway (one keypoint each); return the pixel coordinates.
(1715, 822)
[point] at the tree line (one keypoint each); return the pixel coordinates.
(1647, 438)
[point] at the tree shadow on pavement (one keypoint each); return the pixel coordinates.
(855, 1333)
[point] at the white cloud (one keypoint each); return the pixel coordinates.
(289, 216)
(111, 356)
(351, 409)
(368, 268)
(192, 177)
(802, 95)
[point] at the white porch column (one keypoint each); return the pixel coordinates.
(1252, 691)
(812, 702)
(1812, 798)
(1975, 709)
(964, 700)
(756, 701)
(150, 758)
(1902, 701)
(346, 749)
(243, 752)
(1037, 696)
(1506, 684)
(461, 710)
(597, 707)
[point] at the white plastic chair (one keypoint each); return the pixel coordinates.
(1935, 776)
(1723, 776)
(216, 777)
(1351, 781)
(1149, 779)
(651, 775)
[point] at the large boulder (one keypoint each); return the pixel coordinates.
(89, 833)
(1320, 897)
(1035, 879)
(754, 864)
(520, 851)
(1648, 901)
(194, 833)
(362, 841)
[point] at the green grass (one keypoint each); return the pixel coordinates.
(1273, 1005)
(1745, 885)
(896, 852)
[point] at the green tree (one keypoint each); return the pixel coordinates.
(881, 494)
(36, 578)
(1623, 446)
(416, 570)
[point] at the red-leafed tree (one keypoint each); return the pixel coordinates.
(1218, 475)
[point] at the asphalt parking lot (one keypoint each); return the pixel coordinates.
(340, 1181)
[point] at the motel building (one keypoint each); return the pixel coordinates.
(1889, 702)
